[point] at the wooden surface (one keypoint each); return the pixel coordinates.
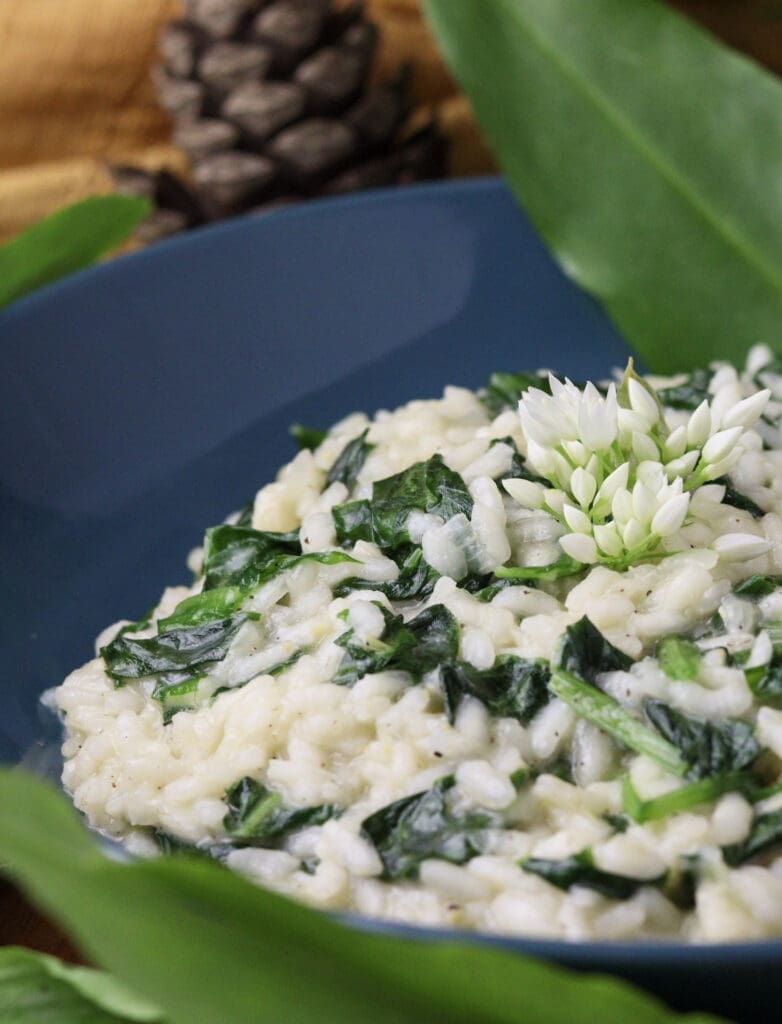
(75, 92)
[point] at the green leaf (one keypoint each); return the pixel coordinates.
(736, 499)
(758, 585)
(765, 681)
(608, 714)
(684, 798)
(241, 557)
(646, 154)
(182, 652)
(204, 607)
(423, 826)
(207, 946)
(690, 393)
(518, 469)
(709, 748)
(564, 566)
(429, 640)
(512, 688)
(585, 652)
(504, 390)
(257, 816)
(350, 461)
(580, 870)
(39, 989)
(678, 658)
(425, 487)
(66, 241)
(416, 579)
(306, 437)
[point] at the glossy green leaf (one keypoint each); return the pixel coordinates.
(39, 989)
(68, 240)
(646, 154)
(207, 946)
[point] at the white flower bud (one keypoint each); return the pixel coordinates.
(699, 425)
(622, 507)
(670, 516)
(746, 413)
(644, 502)
(682, 466)
(525, 492)
(676, 443)
(597, 418)
(630, 422)
(608, 539)
(583, 487)
(722, 467)
(642, 402)
(577, 452)
(555, 500)
(723, 442)
(579, 546)
(576, 519)
(740, 547)
(644, 447)
(634, 533)
(614, 482)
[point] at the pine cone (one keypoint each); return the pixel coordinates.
(271, 102)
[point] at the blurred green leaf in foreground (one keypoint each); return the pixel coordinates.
(205, 945)
(646, 153)
(66, 241)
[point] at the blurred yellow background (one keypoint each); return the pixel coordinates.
(75, 89)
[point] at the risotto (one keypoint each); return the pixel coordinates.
(507, 661)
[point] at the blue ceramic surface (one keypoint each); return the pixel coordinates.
(143, 400)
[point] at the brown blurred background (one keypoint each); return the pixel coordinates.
(75, 89)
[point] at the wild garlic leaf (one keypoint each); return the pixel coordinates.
(70, 239)
(685, 798)
(564, 566)
(589, 107)
(424, 643)
(765, 835)
(678, 658)
(422, 826)
(585, 652)
(504, 390)
(709, 748)
(428, 486)
(416, 579)
(519, 470)
(235, 952)
(204, 607)
(580, 870)
(257, 816)
(40, 989)
(765, 681)
(512, 688)
(350, 461)
(181, 653)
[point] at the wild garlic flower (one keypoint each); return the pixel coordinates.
(620, 480)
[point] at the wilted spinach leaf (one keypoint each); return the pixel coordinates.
(709, 748)
(257, 816)
(678, 658)
(766, 833)
(425, 486)
(504, 390)
(489, 592)
(350, 461)
(512, 688)
(690, 393)
(585, 652)
(422, 826)
(416, 579)
(204, 607)
(765, 681)
(735, 499)
(580, 870)
(308, 438)
(179, 654)
(427, 641)
(564, 566)
(238, 556)
(758, 585)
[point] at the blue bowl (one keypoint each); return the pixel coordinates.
(143, 400)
